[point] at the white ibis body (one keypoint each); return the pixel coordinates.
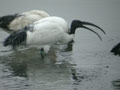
(11, 23)
(46, 32)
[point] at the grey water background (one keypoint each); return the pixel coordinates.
(88, 58)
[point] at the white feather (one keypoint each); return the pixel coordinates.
(49, 31)
(27, 18)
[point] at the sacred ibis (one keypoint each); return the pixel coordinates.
(11, 23)
(46, 32)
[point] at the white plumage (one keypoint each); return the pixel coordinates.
(27, 18)
(49, 31)
(49, 28)
(19, 21)
(46, 32)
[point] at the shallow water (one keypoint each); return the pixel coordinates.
(85, 65)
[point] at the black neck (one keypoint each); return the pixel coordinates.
(72, 31)
(74, 25)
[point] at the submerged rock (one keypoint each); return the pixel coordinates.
(116, 49)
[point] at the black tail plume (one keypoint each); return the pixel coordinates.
(16, 38)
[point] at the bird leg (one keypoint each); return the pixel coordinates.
(42, 53)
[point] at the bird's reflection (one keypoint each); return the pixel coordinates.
(21, 62)
(19, 69)
(69, 47)
(116, 84)
(28, 64)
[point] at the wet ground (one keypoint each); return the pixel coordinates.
(66, 67)
(84, 65)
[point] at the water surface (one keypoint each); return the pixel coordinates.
(85, 65)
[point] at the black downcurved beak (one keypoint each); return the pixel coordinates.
(91, 24)
(92, 31)
(82, 24)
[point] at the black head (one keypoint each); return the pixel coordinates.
(6, 20)
(76, 23)
(82, 24)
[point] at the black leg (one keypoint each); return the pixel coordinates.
(42, 53)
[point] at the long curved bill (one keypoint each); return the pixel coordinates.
(91, 24)
(92, 31)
